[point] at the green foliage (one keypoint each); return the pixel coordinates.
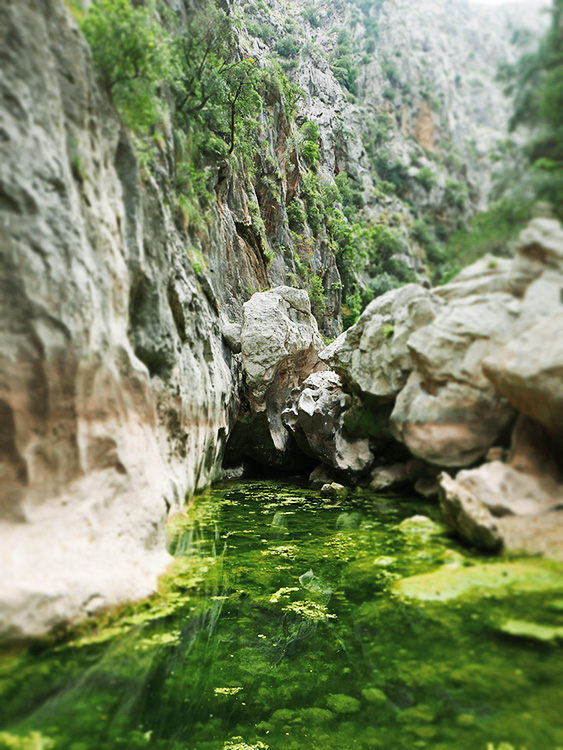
(456, 194)
(427, 178)
(311, 16)
(309, 149)
(536, 81)
(311, 192)
(346, 73)
(391, 169)
(316, 292)
(264, 31)
(288, 46)
(132, 55)
(296, 215)
(491, 231)
(350, 195)
(377, 286)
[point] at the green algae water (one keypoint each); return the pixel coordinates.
(291, 623)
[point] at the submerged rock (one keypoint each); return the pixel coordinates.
(334, 491)
(502, 579)
(531, 630)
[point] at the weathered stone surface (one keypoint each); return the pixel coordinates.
(280, 342)
(489, 275)
(115, 389)
(528, 371)
(280, 346)
(495, 506)
(385, 477)
(533, 452)
(451, 424)
(468, 516)
(315, 417)
(373, 356)
(448, 413)
(232, 333)
(506, 491)
(542, 241)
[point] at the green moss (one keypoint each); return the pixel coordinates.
(301, 641)
(502, 579)
(342, 704)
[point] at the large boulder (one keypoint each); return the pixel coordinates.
(448, 413)
(373, 356)
(528, 371)
(315, 416)
(495, 507)
(280, 345)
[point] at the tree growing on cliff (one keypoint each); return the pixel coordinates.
(132, 54)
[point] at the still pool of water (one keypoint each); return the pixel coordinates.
(288, 623)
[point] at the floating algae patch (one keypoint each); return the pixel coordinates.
(290, 623)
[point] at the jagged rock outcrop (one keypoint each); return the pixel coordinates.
(280, 346)
(314, 414)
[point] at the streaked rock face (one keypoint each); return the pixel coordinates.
(115, 385)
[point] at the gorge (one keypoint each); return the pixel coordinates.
(251, 240)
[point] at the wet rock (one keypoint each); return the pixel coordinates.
(468, 516)
(334, 491)
(315, 417)
(320, 476)
(420, 525)
(385, 477)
